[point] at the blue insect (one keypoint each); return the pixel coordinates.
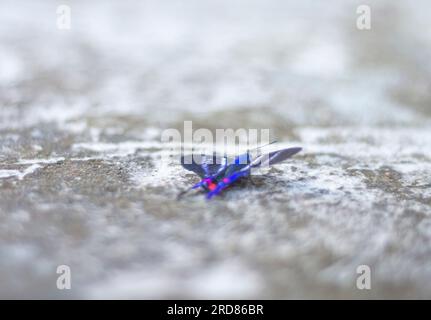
(219, 172)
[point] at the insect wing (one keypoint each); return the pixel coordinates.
(274, 157)
(204, 165)
(239, 163)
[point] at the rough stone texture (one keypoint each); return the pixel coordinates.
(81, 113)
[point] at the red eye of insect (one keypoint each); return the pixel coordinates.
(212, 186)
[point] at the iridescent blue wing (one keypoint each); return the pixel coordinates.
(204, 165)
(273, 157)
(240, 162)
(232, 174)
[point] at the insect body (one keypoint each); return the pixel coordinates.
(217, 172)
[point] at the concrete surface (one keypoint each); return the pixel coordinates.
(82, 110)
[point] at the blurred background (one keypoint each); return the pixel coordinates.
(82, 111)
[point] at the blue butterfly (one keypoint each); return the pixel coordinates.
(219, 172)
